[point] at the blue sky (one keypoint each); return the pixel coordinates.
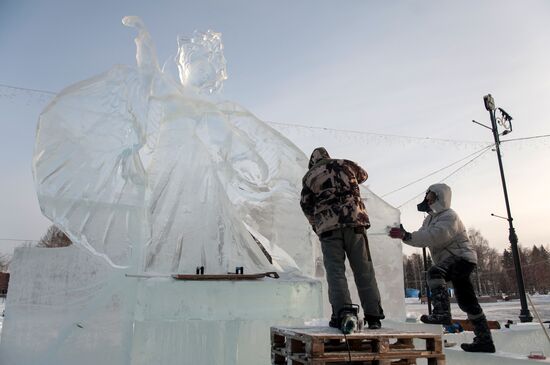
(416, 69)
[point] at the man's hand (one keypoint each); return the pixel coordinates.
(399, 232)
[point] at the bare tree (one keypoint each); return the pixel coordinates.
(4, 263)
(413, 271)
(54, 237)
(485, 254)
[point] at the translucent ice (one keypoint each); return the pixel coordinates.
(154, 172)
(149, 173)
(67, 306)
(133, 164)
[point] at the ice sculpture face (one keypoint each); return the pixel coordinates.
(200, 61)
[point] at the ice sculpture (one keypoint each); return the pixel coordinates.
(139, 164)
(151, 174)
(134, 164)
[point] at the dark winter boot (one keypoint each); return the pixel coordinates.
(334, 321)
(372, 323)
(441, 313)
(483, 341)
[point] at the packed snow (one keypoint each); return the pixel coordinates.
(500, 311)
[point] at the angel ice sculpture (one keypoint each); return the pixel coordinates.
(156, 174)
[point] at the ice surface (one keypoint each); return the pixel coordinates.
(151, 173)
(67, 306)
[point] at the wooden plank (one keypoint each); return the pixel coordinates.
(372, 355)
(315, 346)
(223, 277)
(404, 338)
(335, 333)
(468, 326)
(402, 344)
(278, 359)
(434, 344)
(294, 346)
(382, 345)
(359, 357)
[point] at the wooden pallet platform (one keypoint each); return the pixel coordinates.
(324, 345)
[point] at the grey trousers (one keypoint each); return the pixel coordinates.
(351, 242)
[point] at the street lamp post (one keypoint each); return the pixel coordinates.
(525, 315)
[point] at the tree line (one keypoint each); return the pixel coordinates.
(495, 273)
(54, 237)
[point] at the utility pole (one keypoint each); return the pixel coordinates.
(506, 121)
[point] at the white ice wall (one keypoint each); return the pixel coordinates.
(217, 322)
(67, 306)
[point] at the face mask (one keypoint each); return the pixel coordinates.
(423, 207)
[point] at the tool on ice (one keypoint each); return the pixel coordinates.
(269, 274)
(210, 277)
(349, 320)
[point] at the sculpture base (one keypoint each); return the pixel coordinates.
(66, 306)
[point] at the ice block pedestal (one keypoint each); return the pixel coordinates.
(67, 306)
(217, 322)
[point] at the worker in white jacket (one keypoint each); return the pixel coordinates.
(454, 260)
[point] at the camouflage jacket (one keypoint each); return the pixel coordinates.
(330, 196)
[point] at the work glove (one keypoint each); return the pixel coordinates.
(400, 233)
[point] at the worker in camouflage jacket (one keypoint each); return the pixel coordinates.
(332, 204)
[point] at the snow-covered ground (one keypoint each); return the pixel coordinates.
(499, 311)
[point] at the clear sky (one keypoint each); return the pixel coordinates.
(417, 69)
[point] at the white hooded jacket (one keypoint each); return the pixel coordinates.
(442, 231)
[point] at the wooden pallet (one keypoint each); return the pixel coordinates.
(468, 326)
(324, 345)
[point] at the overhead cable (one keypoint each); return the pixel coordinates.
(525, 138)
(351, 131)
(28, 89)
(16, 239)
(436, 171)
(480, 153)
